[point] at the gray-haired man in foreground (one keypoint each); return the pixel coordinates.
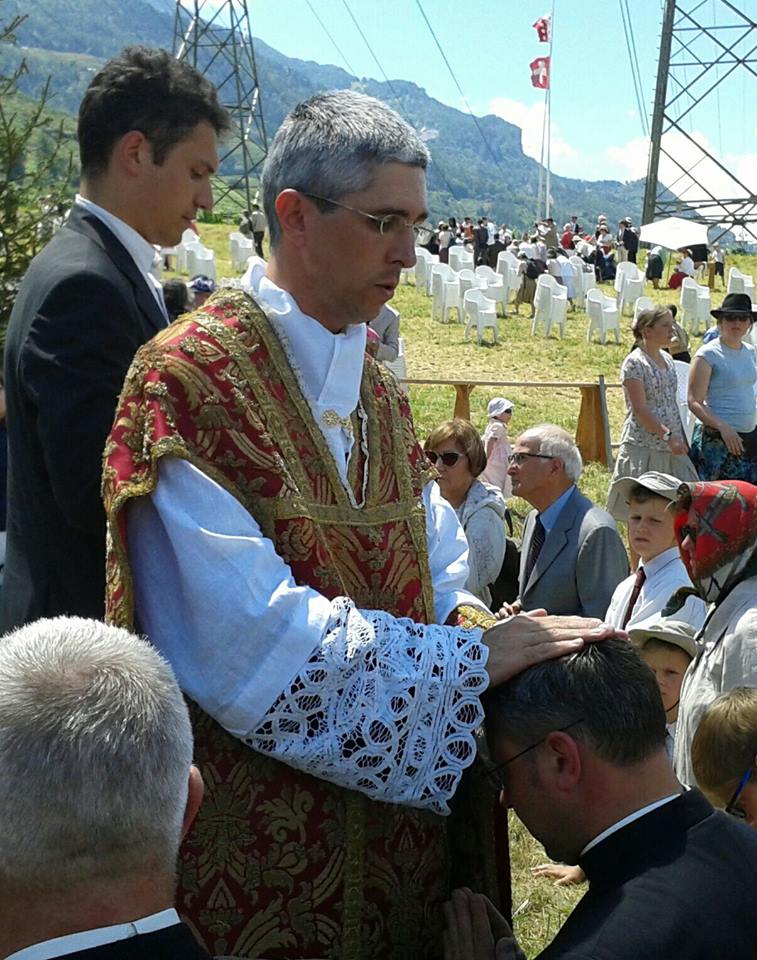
(96, 791)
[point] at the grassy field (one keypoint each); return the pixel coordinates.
(438, 351)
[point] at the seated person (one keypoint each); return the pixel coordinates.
(387, 327)
(604, 259)
(651, 536)
(685, 268)
(578, 751)
(572, 558)
(176, 297)
(97, 788)
(456, 450)
(200, 288)
(724, 753)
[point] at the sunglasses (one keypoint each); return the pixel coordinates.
(449, 459)
(732, 807)
(687, 531)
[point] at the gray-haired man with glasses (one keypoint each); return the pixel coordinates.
(578, 752)
(291, 556)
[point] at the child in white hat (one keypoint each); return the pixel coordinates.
(497, 445)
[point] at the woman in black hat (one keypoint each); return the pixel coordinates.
(721, 395)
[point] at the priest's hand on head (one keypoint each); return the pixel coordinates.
(529, 638)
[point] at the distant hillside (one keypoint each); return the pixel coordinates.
(69, 39)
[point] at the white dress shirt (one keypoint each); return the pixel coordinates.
(222, 606)
(637, 815)
(88, 939)
(142, 253)
(665, 574)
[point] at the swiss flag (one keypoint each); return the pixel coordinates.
(542, 27)
(540, 73)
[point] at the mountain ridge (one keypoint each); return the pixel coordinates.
(69, 39)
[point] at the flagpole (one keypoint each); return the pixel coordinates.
(548, 112)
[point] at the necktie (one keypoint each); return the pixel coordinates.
(637, 585)
(537, 542)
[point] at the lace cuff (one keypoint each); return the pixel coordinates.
(384, 706)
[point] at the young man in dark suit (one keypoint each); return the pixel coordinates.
(97, 788)
(148, 128)
(579, 744)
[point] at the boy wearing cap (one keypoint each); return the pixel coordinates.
(497, 445)
(660, 571)
(667, 646)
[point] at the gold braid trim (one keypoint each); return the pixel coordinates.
(469, 616)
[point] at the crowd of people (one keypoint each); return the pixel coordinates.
(296, 758)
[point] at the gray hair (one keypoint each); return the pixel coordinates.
(331, 145)
(95, 751)
(558, 443)
(605, 693)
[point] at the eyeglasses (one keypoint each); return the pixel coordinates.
(732, 806)
(688, 531)
(449, 459)
(390, 225)
(494, 773)
(518, 458)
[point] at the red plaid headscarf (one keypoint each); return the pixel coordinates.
(722, 519)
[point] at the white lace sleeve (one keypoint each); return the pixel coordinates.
(384, 706)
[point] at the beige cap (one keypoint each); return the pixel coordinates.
(663, 484)
(679, 633)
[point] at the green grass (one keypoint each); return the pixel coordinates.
(438, 351)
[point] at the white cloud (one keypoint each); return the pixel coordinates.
(530, 119)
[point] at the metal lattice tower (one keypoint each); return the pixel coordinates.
(220, 47)
(703, 45)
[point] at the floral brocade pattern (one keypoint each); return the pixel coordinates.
(279, 864)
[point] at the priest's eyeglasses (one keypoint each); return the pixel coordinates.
(733, 807)
(390, 225)
(494, 773)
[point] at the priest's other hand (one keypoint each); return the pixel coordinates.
(475, 930)
(526, 639)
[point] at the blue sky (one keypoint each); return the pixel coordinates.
(597, 131)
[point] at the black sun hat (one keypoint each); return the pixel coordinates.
(736, 303)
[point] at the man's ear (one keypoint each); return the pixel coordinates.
(195, 793)
(293, 211)
(564, 756)
(131, 154)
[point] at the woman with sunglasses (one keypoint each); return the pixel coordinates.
(456, 450)
(716, 530)
(721, 395)
(724, 753)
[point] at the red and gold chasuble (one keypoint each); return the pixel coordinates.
(279, 864)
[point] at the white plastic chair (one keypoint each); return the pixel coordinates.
(629, 285)
(643, 303)
(739, 282)
(495, 286)
(183, 250)
(550, 305)
(439, 273)
(423, 266)
(451, 297)
(682, 388)
(459, 258)
(603, 316)
(242, 250)
(695, 305)
(481, 312)
(201, 261)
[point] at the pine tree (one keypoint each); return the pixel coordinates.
(35, 170)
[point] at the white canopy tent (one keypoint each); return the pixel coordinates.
(674, 233)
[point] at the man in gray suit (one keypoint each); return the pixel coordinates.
(572, 557)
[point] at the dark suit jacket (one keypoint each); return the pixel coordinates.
(171, 943)
(677, 884)
(82, 312)
(582, 561)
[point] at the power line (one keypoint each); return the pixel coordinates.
(336, 45)
(457, 84)
(638, 70)
(634, 64)
(400, 107)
